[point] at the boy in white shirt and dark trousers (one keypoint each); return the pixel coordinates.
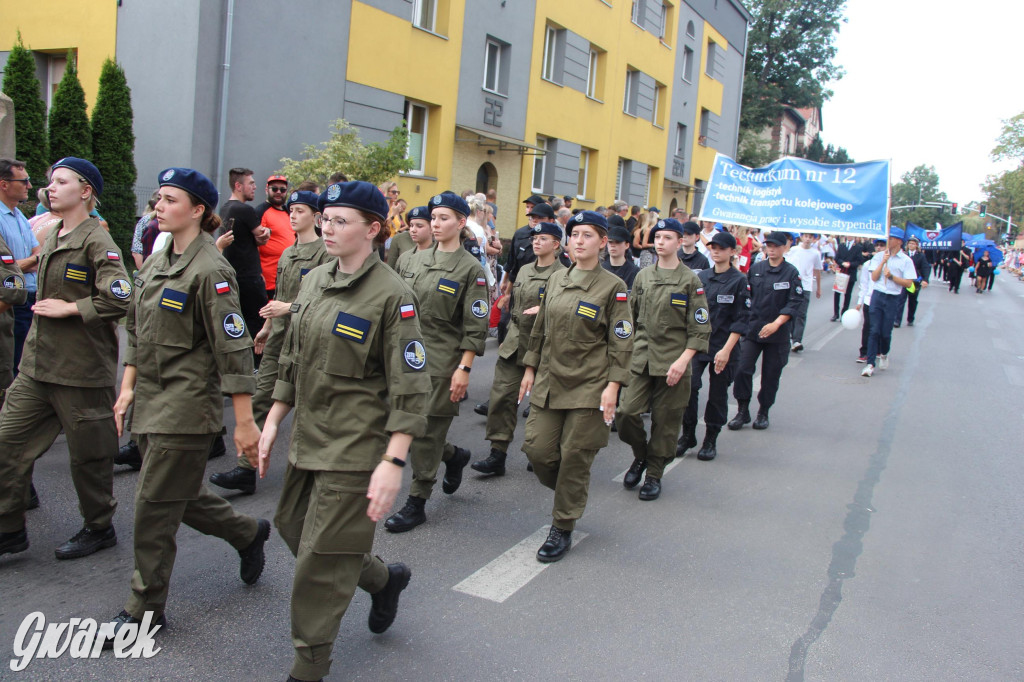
(807, 260)
(864, 300)
(891, 271)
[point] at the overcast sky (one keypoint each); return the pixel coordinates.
(904, 60)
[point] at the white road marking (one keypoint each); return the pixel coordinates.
(510, 572)
(668, 467)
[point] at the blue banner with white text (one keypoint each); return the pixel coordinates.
(944, 239)
(797, 195)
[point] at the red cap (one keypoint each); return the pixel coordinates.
(277, 178)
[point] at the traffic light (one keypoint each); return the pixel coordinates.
(983, 210)
(953, 208)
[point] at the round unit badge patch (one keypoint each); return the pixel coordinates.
(480, 308)
(623, 329)
(579, 217)
(436, 200)
(14, 282)
(234, 325)
(167, 176)
(700, 315)
(415, 355)
(333, 192)
(121, 288)
(295, 196)
(799, 291)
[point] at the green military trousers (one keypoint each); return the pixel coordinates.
(262, 401)
(503, 413)
(6, 352)
(561, 445)
(170, 492)
(427, 453)
(666, 404)
(33, 414)
(322, 518)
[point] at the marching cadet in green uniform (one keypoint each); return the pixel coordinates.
(403, 241)
(419, 231)
(354, 368)
(527, 294)
(579, 356)
(68, 368)
(12, 293)
(451, 290)
(671, 316)
(187, 348)
(296, 262)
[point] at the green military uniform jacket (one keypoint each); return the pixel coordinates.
(296, 262)
(527, 291)
(400, 243)
(671, 314)
(83, 267)
(12, 292)
(582, 339)
(452, 293)
(187, 340)
(355, 361)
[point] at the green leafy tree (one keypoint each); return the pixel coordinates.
(69, 123)
(113, 152)
(837, 155)
(815, 150)
(1010, 143)
(345, 152)
(790, 53)
(753, 149)
(22, 86)
(920, 186)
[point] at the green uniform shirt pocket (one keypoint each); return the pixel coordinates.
(586, 322)
(173, 328)
(340, 524)
(673, 315)
(345, 355)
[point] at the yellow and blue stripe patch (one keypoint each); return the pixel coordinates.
(173, 300)
(351, 327)
(76, 273)
(542, 293)
(679, 300)
(446, 286)
(303, 272)
(588, 310)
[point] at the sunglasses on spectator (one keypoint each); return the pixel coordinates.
(27, 181)
(277, 188)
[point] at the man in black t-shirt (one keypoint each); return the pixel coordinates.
(242, 253)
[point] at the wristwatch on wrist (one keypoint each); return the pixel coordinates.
(465, 368)
(394, 460)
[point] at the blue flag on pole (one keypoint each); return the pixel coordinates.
(946, 239)
(796, 195)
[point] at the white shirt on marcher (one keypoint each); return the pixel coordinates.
(900, 265)
(806, 261)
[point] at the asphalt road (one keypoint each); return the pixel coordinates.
(873, 532)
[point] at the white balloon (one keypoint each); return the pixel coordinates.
(852, 319)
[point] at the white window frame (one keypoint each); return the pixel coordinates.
(417, 10)
(629, 88)
(635, 12)
(409, 105)
(647, 192)
(585, 167)
(687, 62)
(680, 139)
(592, 66)
(691, 30)
(664, 21)
(550, 50)
(619, 179)
(709, 67)
(657, 103)
(541, 159)
(496, 89)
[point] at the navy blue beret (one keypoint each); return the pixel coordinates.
(358, 195)
(311, 199)
(690, 227)
(589, 218)
(84, 168)
(420, 213)
(669, 224)
(548, 228)
(449, 200)
(193, 182)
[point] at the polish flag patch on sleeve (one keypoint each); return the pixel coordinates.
(113, 255)
(408, 310)
(481, 282)
(222, 287)
(7, 260)
(700, 291)
(621, 296)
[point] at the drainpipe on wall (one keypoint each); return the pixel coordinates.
(224, 93)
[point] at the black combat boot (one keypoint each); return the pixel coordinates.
(708, 451)
(453, 470)
(632, 477)
(238, 478)
(687, 440)
(385, 603)
(761, 423)
(218, 449)
(554, 548)
(742, 416)
(86, 542)
(12, 543)
(129, 455)
(494, 464)
(408, 517)
(651, 489)
(253, 558)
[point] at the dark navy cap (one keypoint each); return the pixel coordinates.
(724, 239)
(617, 233)
(419, 213)
(193, 182)
(84, 168)
(654, 209)
(777, 238)
(548, 228)
(589, 218)
(449, 200)
(358, 195)
(615, 221)
(670, 224)
(543, 210)
(311, 199)
(533, 199)
(690, 227)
